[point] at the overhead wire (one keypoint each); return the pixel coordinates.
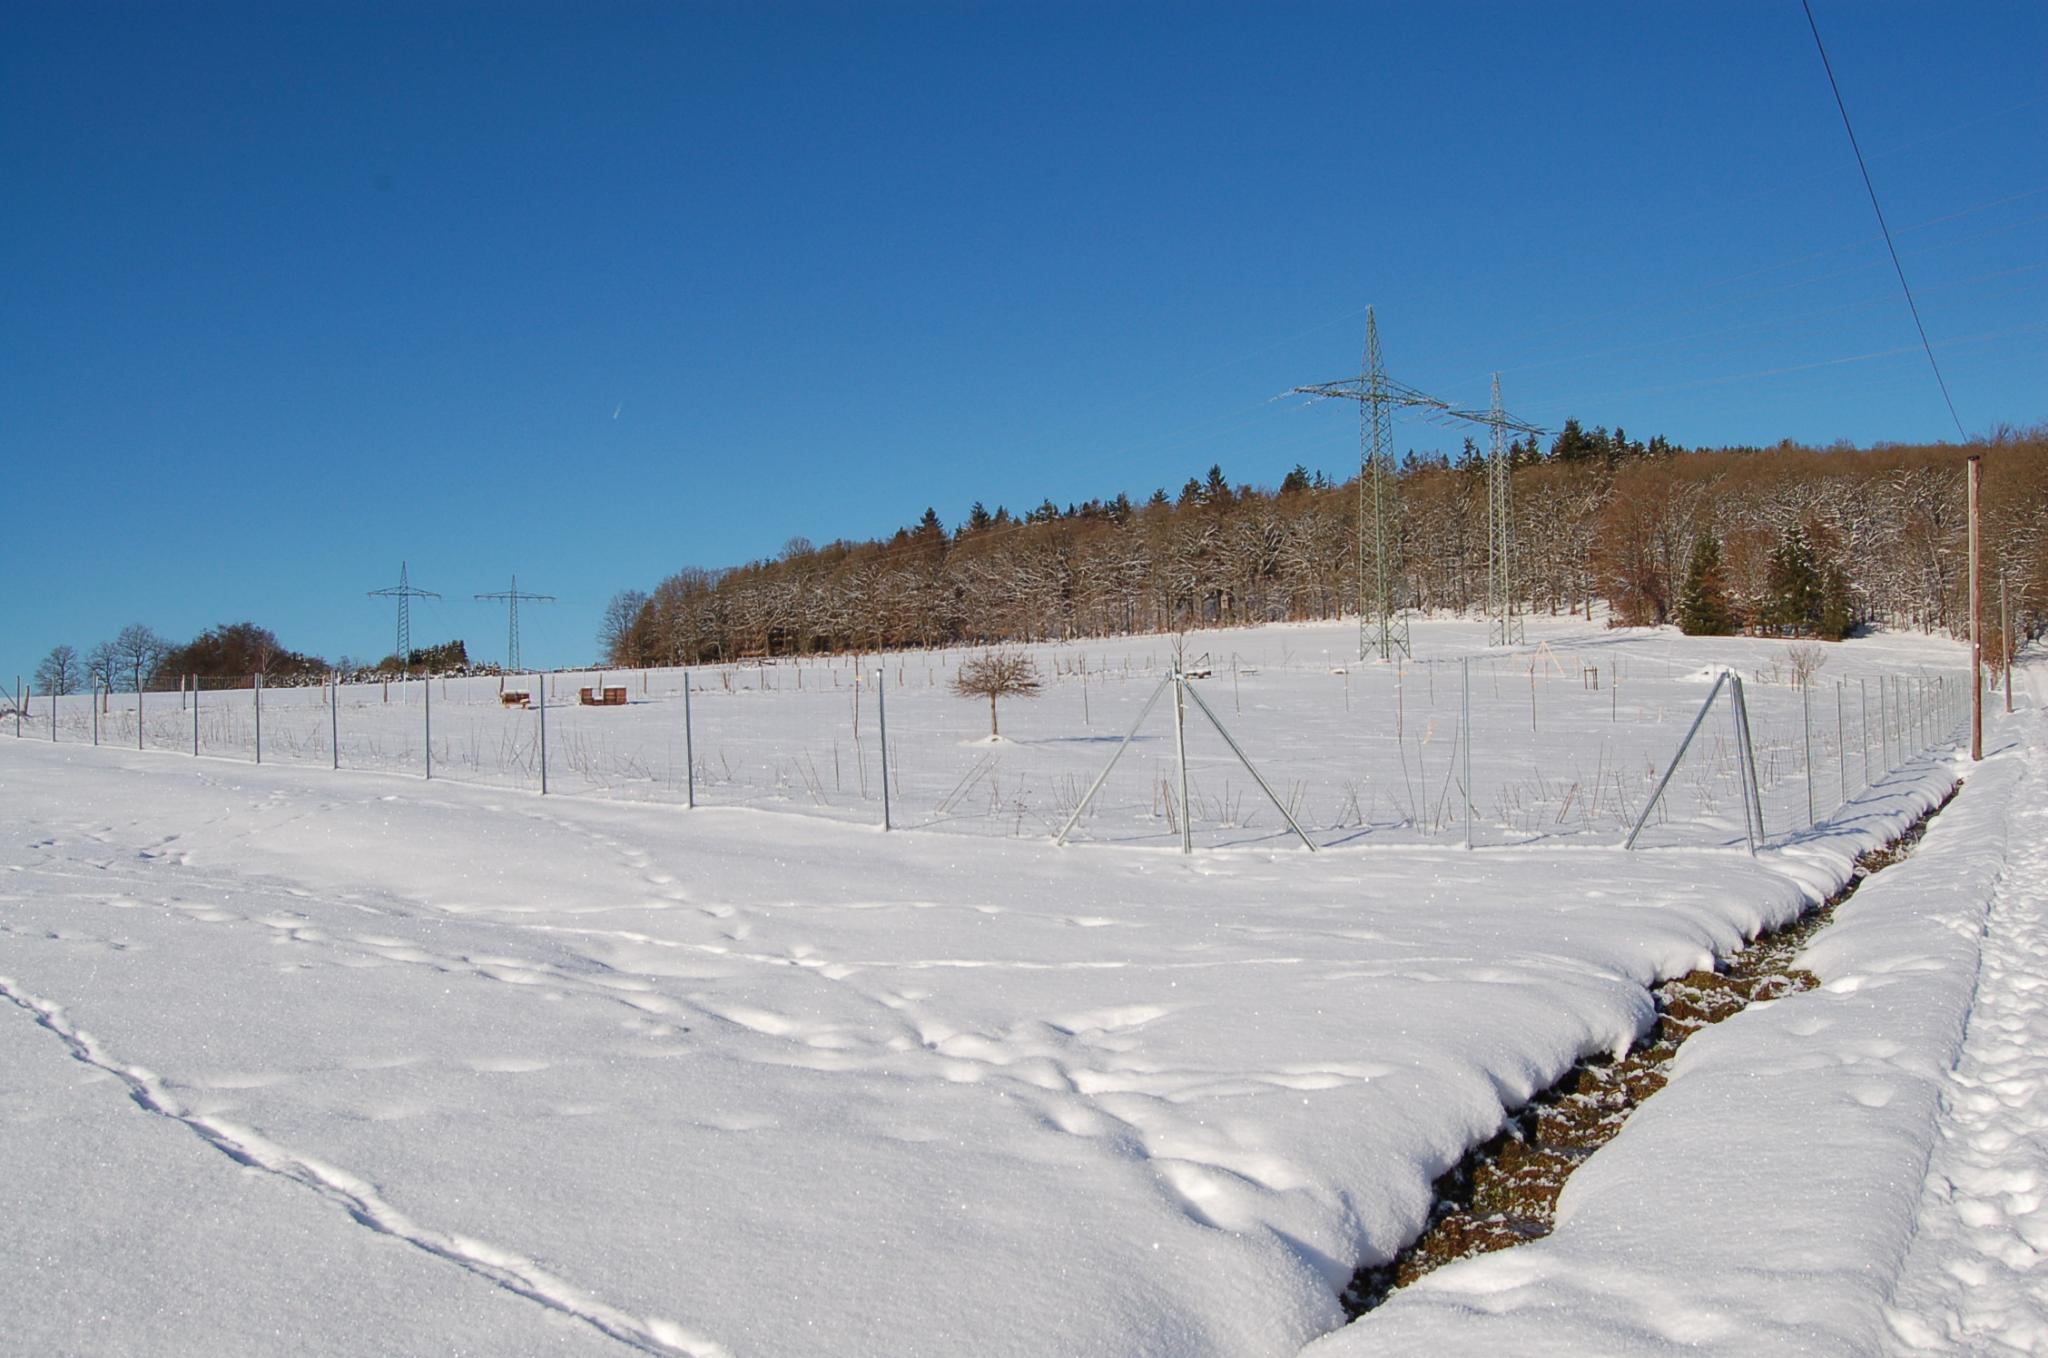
(1477, 380)
(1754, 327)
(1869, 187)
(1979, 337)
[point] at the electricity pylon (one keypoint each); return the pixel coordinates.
(405, 594)
(512, 597)
(1382, 626)
(1382, 619)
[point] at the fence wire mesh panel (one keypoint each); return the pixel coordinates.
(1563, 742)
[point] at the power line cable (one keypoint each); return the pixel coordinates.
(1539, 339)
(1871, 188)
(1981, 336)
(1756, 328)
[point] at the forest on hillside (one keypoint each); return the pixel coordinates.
(1598, 518)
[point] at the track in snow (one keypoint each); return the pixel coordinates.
(1974, 1280)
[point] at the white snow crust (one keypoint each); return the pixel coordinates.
(303, 1061)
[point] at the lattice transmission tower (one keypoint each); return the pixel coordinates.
(1382, 580)
(513, 598)
(405, 594)
(1382, 625)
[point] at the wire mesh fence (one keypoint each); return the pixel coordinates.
(1492, 748)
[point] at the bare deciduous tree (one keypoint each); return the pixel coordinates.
(60, 671)
(138, 649)
(615, 631)
(1805, 662)
(103, 666)
(1612, 519)
(998, 674)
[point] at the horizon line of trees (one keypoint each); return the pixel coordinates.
(1789, 540)
(235, 651)
(1805, 542)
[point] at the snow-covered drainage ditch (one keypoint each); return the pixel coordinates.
(1504, 1191)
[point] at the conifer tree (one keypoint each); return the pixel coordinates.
(1792, 590)
(1837, 614)
(1704, 609)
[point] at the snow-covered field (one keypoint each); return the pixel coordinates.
(1567, 735)
(298, 1061)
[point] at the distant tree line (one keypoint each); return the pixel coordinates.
(232, 653)
(1788, 540)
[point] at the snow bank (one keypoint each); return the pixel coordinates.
(1765, 1200)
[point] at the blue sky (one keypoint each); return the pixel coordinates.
(590, 293)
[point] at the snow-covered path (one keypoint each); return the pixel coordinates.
(1976, 1280)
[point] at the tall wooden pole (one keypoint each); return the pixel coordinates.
(1976, 620)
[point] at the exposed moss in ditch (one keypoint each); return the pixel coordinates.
(1504, 1191)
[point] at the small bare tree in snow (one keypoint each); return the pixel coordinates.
(998, 674)
(1805, 662)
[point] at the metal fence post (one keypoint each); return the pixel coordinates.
(542, 685)
(1252, 769)
(1672, 767)
(138, 705)
(1806, 742)
(195, 716)
(1841, 748)
(428, 709)
(334, 721)
(689, 749)
(1465, 734)
(53, 716)
(95, 714)
(882, 728)
(1180, 750)
(1884, 719)
(256, 688)
(1756, 793)
(1103, 776)
(1753, 789)
(1741, 766)
(1863, 726)
(17, 707)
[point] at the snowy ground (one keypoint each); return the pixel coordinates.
(298, 1061)
(1566, 735)
(1975, 1280)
